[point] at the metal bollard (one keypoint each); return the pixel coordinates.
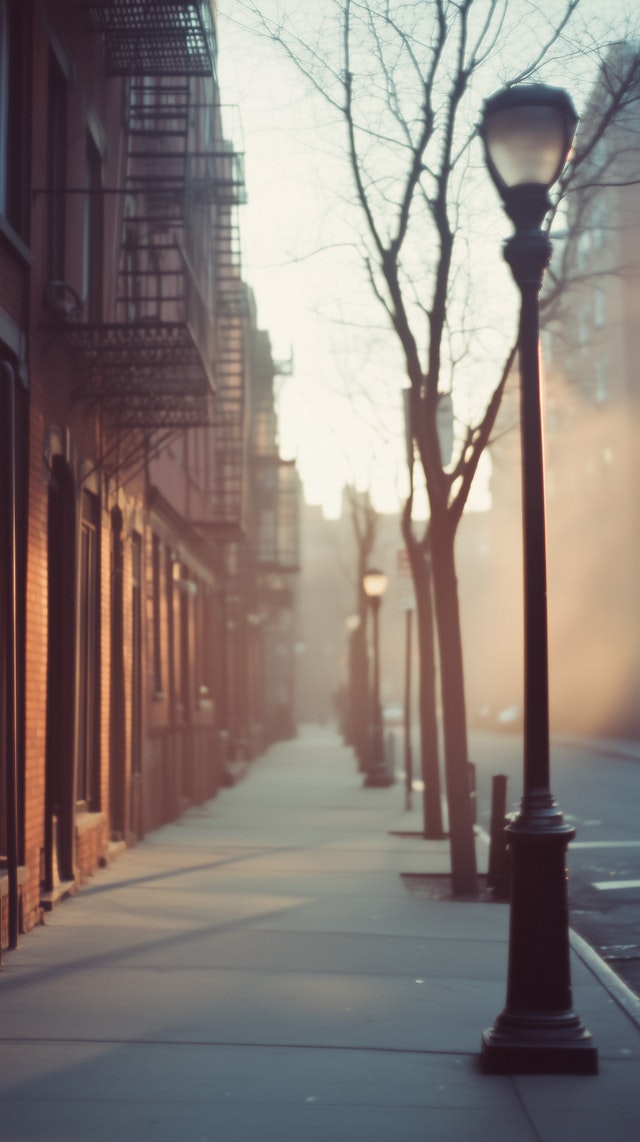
(390, 756)
(473, 792)
(498, 874)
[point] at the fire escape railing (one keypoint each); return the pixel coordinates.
(170, 349)
(277, 515)
(154, 37)
(229, 488)
(154, 364)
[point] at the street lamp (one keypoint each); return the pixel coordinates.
(375, 585)
(527, 133)
(351, 714)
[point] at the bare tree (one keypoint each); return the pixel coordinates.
(406, 79)
(365, 523)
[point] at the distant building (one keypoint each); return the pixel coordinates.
(593, 425)
(329, 598)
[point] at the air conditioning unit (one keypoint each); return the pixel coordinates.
(64, 300)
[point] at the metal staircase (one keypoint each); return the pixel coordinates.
(230, 428)
(168, 357)
(150, 365)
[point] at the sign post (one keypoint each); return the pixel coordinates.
(406, 602)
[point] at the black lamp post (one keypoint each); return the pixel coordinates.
(375, 585)
(527, 133)
(352, 624)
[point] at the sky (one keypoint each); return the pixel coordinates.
(340, 410)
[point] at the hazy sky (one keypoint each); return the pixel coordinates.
(340, 412)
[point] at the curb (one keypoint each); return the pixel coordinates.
(616, 988)
(625, 750)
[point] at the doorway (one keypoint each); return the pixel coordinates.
(60, 791)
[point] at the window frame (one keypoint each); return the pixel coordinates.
(88, 752)
(57, 119)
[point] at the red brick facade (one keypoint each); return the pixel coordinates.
(126, 594)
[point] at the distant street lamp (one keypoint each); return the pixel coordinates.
(352, 625)
(377, 774)
(527, 133)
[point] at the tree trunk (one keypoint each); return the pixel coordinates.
(462, 840)
(430, 760)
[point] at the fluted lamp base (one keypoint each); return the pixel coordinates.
(537, 1044)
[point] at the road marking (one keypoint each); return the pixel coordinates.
(605, 845)
(605, 885)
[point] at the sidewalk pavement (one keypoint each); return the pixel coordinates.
(258, 970)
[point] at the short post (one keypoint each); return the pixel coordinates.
(498, 872)
(408, 755)
(375, 584)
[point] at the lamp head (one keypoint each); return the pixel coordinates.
(527, 133)
(374, 583)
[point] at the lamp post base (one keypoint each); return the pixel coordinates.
(538, 1032)
(378, 780)
(556, 1044)
(380, 771)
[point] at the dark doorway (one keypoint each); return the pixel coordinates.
(137, 827)
(59, 765)
(117, 736)
(88, 770)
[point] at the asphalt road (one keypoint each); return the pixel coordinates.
(597, 786)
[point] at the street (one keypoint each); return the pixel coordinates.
(596, 786)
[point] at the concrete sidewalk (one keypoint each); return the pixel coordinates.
(260, 970)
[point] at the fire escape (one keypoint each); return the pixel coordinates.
(276, 489)
(171, 355)
(152, 367)
(231, 314)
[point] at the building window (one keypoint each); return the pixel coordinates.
(599, 222)
(136, 654)
(12, 108)
(583, 328)
(584, 247)
(186, 663)
(599, 307)
(56, 168)
(156, 565)
(208, 645)
(5, 56)
(93, 239)
(87, 788)
(602, 380)
(170, 628)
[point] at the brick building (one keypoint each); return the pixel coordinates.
(144, 564)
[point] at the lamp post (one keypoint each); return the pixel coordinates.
(375, 585)
(527, 133)
(352, 624)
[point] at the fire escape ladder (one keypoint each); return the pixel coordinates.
(151, 367)
(152, 272)
(230, 436)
